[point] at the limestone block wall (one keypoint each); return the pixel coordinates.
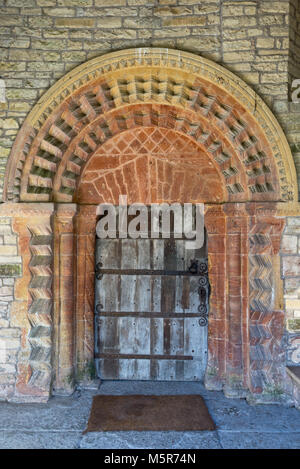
(294, 52)
(41, 40)
(291, 123)
(290, 256)
(10, 335)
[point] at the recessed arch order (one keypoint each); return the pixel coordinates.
(152, 88)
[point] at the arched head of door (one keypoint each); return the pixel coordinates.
(160, 125)
(189, 102)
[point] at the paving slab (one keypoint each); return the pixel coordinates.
(59, 413)
(60, 422)
(150, 440)
(233, 414)
(259, 440)
(39, 440)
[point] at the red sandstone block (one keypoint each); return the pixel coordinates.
(67, 244)
(66, 286)
(216, 244)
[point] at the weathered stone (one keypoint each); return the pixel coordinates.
(293, 325)
(64, 12)
(9, 124)
(187, 21)
(172, 11)
(291, 266)
(75, 22)
(239, 21)
(79, 3)
(10, 270)
(289, 244)
(113, 3)
(265, 42)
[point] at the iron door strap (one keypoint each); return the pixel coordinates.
(98, 272)
(196, 268)
(201, 269)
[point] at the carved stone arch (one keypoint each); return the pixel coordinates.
(127, 89)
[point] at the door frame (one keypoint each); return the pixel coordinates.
(234, 351)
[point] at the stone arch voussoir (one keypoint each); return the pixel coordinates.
(150, 87)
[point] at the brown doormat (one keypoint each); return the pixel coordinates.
(149, 413)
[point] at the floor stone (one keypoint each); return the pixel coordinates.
(150, 440)
(39, 440)
(60, 423)
(259, 440)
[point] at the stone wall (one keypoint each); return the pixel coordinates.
(294, 52)
(10, 335)
(291, 122)
(44, 39)
(290, 256)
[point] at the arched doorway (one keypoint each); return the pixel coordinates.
(157, 125)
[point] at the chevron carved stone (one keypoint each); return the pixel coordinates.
(39, 314)
(266, 325)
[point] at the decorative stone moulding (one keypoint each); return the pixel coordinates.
(158, 125)
(161, 88)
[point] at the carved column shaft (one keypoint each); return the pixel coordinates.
(237, 350)
(85, 290)
(64, 296)
(217, 328)
(266, 318)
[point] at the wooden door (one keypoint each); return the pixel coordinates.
(151, 310)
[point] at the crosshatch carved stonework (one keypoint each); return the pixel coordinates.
(158, 126)
(99, 100)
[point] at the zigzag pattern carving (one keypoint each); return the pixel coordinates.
(39, 314)
(267, 356)
(261, 283)
(96, 104)
(266, 342)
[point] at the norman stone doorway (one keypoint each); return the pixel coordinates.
(161, 127)
(151, 303)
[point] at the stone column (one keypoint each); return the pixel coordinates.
(266, 315)
(64, 304)
(228, 350)
(217, 324)
(237, 308)
(85, 292)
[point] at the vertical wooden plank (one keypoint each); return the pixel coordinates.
(129, 254)
(107, 290)
(166, 370)
(143, 253)
(134, 335)
(143, 293)
(158, 254)
(128, 293)
(156, 345)
(135, 369)
(107, 252)
(177, 345)
(155, 283)
(180, 255)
